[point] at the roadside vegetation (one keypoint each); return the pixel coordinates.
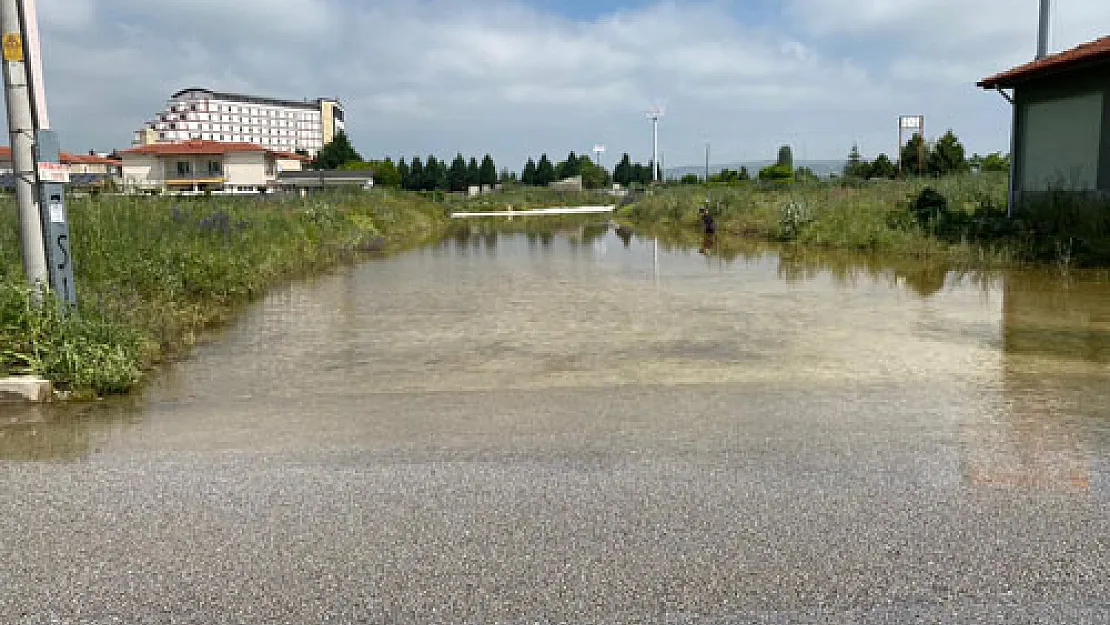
(959, 217)
(154, 272)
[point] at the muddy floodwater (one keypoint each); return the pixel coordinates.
(586, 427)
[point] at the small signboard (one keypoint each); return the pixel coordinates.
(13, 47)
(53, 172)
(910, 122)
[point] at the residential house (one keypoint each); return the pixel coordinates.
(204, 167)
(84, 169)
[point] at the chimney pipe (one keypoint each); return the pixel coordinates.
(1042, 40)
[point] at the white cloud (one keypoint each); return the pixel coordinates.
(996, 33)
(472, 76)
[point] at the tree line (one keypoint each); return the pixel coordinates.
(919, 157)
(430, 174)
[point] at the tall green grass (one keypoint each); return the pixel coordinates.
(153, 272)
(866, 217)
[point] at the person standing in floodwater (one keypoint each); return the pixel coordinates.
(709, 229)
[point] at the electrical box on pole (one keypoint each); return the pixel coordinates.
(41, 176)
(53, 176)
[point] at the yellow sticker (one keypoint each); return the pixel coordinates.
(13, 47)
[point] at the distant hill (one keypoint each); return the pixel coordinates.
(821, 168)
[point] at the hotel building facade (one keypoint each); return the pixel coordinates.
(198, 114)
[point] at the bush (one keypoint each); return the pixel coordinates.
(83, 353)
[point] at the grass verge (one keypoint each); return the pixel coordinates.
(154, 272)
(879, 217)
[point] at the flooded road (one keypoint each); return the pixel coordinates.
(585, 428)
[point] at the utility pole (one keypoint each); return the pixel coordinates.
(40, 177)
(21, 130)
(654, 114)
(707, 161)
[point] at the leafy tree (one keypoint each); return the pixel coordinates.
(856, 167)
(545, 171)
(947, 156)
(528, 176)
(436, 173)
(487, 172)
(744, 175)
(914, 156)
(473, 172)
(690, 179)
(882, 167)
(726, 176)
(622, 173)
(356, 166)
(993, 162)
(507, 177)
(416, 175)
(593, 176)
(431, 173)
(570, 167)
(386, 174)
(805, 174)
(403, 172)
(786, 158)
(336, 153)
(777, 173)
(456, 175)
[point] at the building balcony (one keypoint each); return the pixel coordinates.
(177, 180)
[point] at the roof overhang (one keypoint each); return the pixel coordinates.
(1084, 57)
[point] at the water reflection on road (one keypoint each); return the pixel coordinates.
(783, 391)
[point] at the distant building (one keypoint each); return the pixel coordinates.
(84, 169)
(1061, 121)
(205, 167)
(197, 114)
(574, 183)
(304, 181)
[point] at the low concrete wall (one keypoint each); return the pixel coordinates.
(24, 389)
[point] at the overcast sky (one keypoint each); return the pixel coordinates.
(518, 77)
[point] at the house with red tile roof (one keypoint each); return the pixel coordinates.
(205, 167)
(76, 163)
(85, 170)
(1061, 121)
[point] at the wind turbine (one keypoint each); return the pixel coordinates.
(655, 114)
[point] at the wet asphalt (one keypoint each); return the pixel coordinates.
(300, 468)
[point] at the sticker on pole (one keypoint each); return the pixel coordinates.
(57, 214)
(53, 172)
(13, 47)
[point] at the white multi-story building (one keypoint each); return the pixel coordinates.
(197, 114)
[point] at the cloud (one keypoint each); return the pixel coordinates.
(997, 34)
(422, 77)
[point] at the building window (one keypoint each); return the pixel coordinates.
(184, 169)
(215, 168)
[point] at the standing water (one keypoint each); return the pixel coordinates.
(586, 428)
